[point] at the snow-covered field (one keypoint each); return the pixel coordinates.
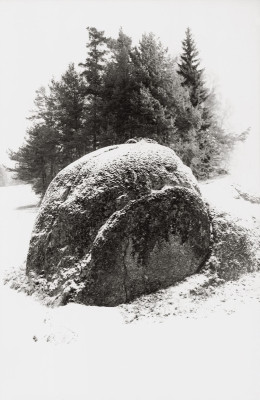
(177, 347)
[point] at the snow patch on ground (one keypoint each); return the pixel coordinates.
(223, 195)
(194, 341)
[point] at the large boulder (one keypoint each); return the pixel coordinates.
(122, 221)
(235, 247)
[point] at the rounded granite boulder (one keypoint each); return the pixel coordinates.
(120, 222)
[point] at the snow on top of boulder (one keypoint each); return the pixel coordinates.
(117, 164)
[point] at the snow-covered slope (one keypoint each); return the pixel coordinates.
(185, 343)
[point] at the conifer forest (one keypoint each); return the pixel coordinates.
(120, 92)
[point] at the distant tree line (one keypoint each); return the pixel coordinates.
(120, 92)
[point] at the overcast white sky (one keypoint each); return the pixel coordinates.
(38, 39)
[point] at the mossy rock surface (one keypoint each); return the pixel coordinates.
(120, 222)
(235, 248)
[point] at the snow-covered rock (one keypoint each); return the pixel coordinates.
(236, 229)
(120, 222)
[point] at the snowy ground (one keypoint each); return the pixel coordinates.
(184, 343)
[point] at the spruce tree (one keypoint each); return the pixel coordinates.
(123, 93)
(153, 105)
(190, 72)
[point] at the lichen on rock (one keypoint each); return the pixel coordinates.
(235, 248)
(119, 222)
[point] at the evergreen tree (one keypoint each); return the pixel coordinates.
(67, 102)
(153, 101)
(196, 140)
(93, 70)
(118, 90)
(57, 135)
(123, 93)
(190, 72)
(37, 158)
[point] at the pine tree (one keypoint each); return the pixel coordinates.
(123, 93)
(57, 135)
(67, 102)
(93, 70)
(190, 72)
(36, 159)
